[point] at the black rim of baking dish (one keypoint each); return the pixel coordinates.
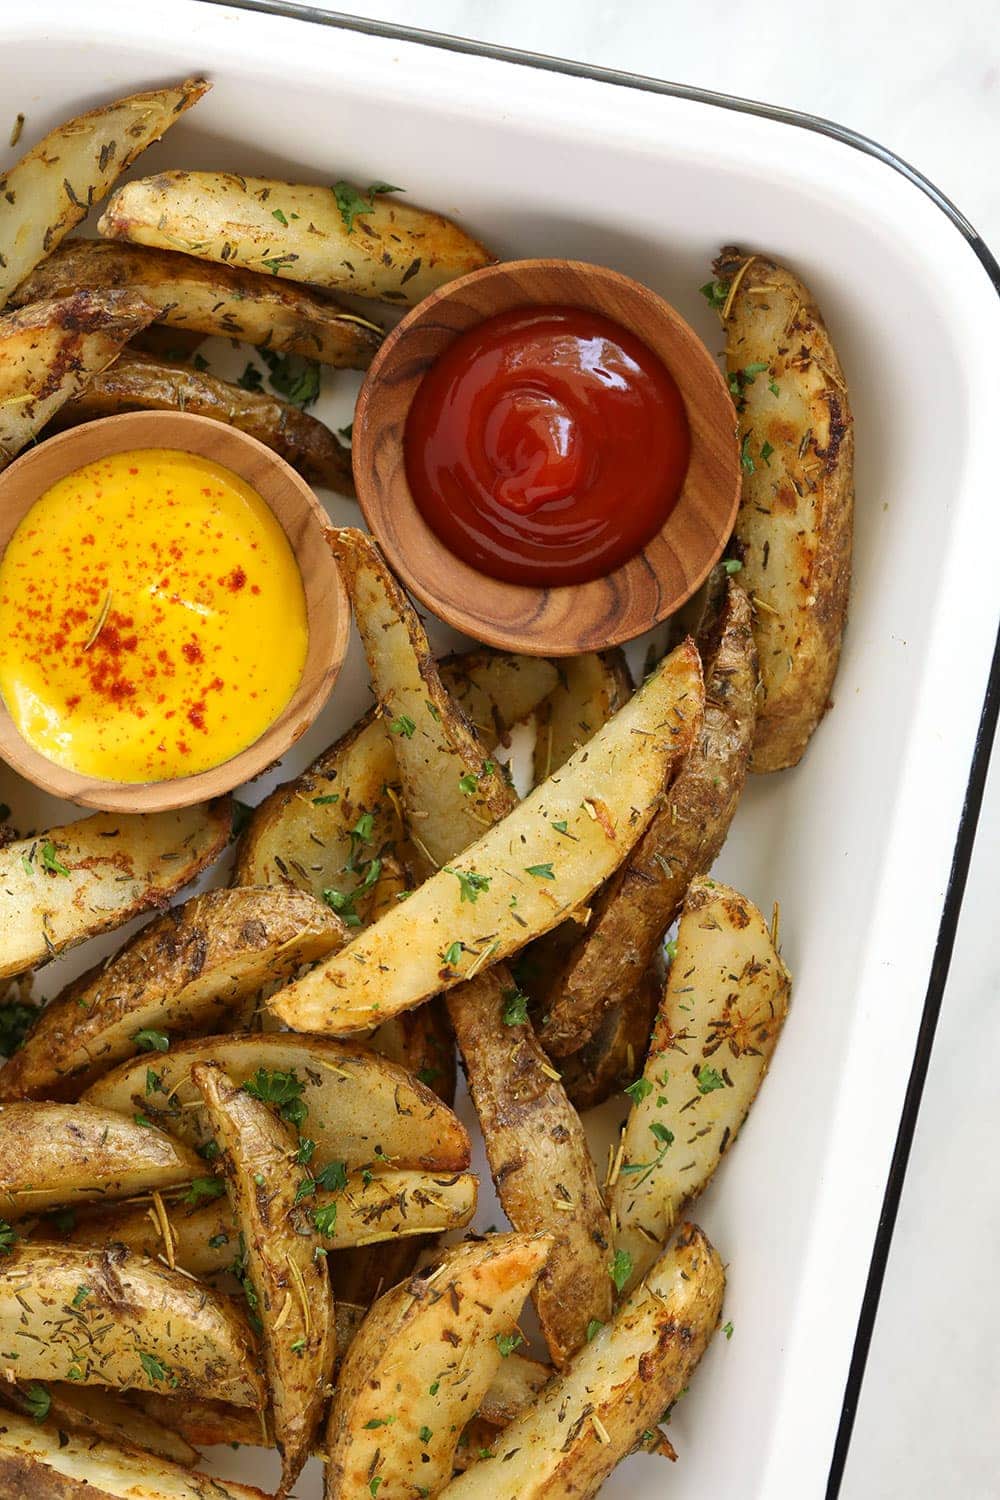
(979, 767)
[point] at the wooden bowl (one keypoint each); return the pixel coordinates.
(564, 620)
(303, 520)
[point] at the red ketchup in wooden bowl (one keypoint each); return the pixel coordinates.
(546, 446)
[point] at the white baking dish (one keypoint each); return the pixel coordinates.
(858, 842)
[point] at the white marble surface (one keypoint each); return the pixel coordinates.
(924, 79)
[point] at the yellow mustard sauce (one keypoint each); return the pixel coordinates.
(152, 618)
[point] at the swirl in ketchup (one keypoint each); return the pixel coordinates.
(546, 446)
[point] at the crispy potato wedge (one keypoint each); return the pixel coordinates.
(258, 1156)
(372, 1208)
(391, 250)
(436, 747)
(49, 351)
(539, 1159)
(190, 970)
(301, 834)
(50, 1463)
(357, 1103)
(112, 1418)
(537, 873)
(594, 1413)
(421, 1363)
(73, 882)
(794, 529)
(639, 902)
(57, 182)
(158, 1328)
(143, 382)
(615, 1053)
(52, 1154)
(723, 1008)
(206, 298)
(590, 689)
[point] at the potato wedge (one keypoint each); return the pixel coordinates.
(204, 298)
(615, 1054)
(142, 382)
(590, 689)
(514, 1387)
(390, 250)
(372, 1208)
(539, 1158)
(795, 524)
(537, 873)
(57, 182)
(594, 1413)
(722, 1012)
(420, 1365)
(101, 1414)
(258, 1156)
(436, 747)
(52, 1154)
(302, 833)
(49, 351)
(356, 1102)
(158, 1328)
(189, 970)
(49, 1463)
(73, 882)
(639, 902)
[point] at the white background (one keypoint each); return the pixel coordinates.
(922, 78)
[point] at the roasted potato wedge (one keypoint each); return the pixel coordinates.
(48, 1462)
(302, 833)
(374, 1208)
(436, 747)
(158, 1328)
(206, 298)
(522, 876)
(49, 351)
(723, 1008)
(356, 1103)
(142, 382)
(373, 246)
(259, 1159)
(538, 1155)
(590, 689)
(594, 1413)
(73, 882)
(191, 969)
(53, 1154)
(101, 1414)
(794, 529)
(55, 185)
(639, 902)
(421, 1363)
(615, 1053)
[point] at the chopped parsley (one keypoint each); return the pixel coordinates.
(141, 1119)
(662, 1134)
(468, 784)
(305, 1152)
(746, 457)
(283, 1090)
(148, 1040)
(51, 861)
(515, 1007)
(326, 800)
(542, 872)
(325, 1218)
(155, 1370)
(37, 1401)
(732, 565)
(709, 1079)
(452, 953)
(16, 1020)
(217, 1240)
(404, 725)
(251, 379)
(620, 1269)
(593, 1329)
(765, 453)
(507, 1343)
(353, 204)
(425, 1434)
(154, 1085)
(715, 294)
(293, 376)
(277, 214)
(639, 1090)
(470, 883)
(727, 1329)
(203, 1190)
(7, 1237)
(80, 1296)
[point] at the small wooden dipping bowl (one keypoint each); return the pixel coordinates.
(303, 520)
(564, 620)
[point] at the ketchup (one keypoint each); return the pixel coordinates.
(546, 446)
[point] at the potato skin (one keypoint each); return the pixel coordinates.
(794, 529)
(539, 1159)
(200, 297)
(614, 1056)
(188, 971)
(141, 382)
(639, 902)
